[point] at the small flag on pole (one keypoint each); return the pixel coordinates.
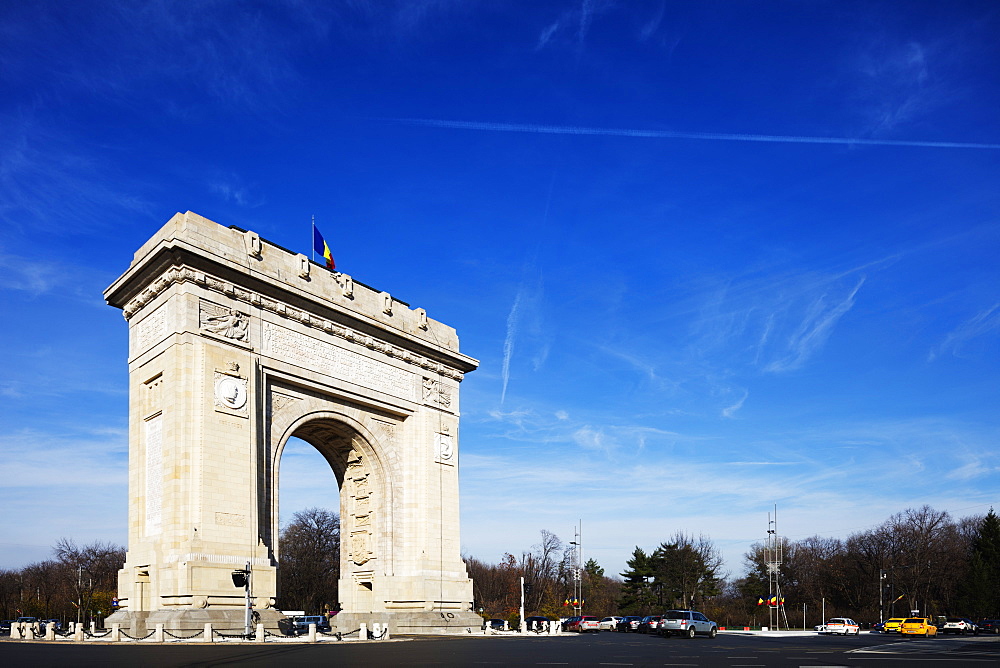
(320, 246)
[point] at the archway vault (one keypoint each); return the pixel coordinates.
(236, 345)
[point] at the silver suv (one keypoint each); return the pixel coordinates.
(687, 623)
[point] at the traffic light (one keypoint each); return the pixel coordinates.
(241, 578)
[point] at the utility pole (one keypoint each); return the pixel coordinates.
(578, 571)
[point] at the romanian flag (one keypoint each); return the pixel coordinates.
(319, 245)
(760, 601)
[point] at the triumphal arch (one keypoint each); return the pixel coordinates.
(236, 345)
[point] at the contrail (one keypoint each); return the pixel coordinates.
(670, 134)
(508, 345)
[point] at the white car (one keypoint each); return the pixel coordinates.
(961, 625)
(842, 625)
(609, 623)
(687, 623)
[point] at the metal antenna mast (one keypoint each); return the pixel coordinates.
(773, 554)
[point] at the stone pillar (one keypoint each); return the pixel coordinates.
(208, 632)
(363, 633)
(385, 631)
(158, 633)
(261, 633)
(50, 631)
(116, 633)
(78, 633)
(312, 633)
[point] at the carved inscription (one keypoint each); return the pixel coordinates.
(153, 438)
(151, 330)
(230, 519)
(310, 353)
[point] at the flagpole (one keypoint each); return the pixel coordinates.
(311, 244)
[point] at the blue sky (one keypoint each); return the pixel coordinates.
(712, 256)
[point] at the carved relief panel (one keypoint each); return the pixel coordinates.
(357, 484)
(229, 323)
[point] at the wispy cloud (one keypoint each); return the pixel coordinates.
(814, 330)
(730, 411)
(984, 323)
(896, 85)
(532, 128)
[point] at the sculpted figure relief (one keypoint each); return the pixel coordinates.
(232, 325)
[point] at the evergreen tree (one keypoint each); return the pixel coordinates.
(636, 596)
(980, 595)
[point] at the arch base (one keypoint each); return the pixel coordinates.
(410, 622)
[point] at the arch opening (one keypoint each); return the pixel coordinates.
(309, 537)
(362, 505)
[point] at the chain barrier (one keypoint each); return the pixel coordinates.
(372, 636)
(148, 635)
(195, 635)
(333, 634)
(230, 635)
(96, 635)
(268, 634)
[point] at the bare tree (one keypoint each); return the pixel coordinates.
(309, 549)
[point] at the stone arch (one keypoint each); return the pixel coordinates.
(235, 345)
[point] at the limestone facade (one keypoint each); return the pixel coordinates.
(235, 345)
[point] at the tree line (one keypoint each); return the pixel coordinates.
(78, 583)
(918, 559)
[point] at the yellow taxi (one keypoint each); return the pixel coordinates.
(918, 626)
(892, 625)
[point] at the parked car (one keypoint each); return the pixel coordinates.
(496, 624)
(301, 624)
(5, 626)
(961, 625)
(918, 626)
(892, 625)
(54, 623)
(687, 623)
(582, 624)
(842, 625)
(610, 623)
(536, 622)
(989, 626)
(649, 624)
(880, 627)
(628, 623)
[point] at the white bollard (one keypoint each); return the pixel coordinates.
(158, 633)
(78, 633)
(50, 631)
(385, 631)
(15, 631)
(261, 634)
(312, 633)
(93, 628)
(208, 632)
(363, 633)
(116, 633)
